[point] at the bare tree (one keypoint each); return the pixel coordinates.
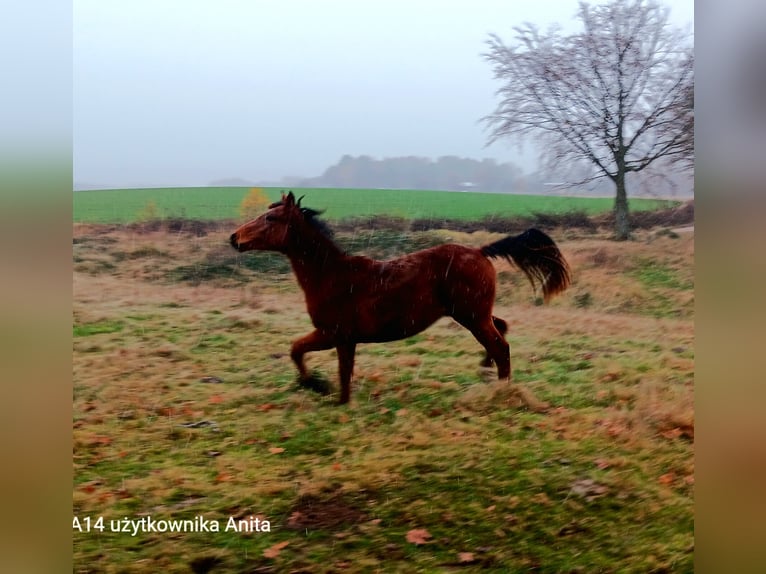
(618, 96)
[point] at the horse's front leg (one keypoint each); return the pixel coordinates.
(346, 354)
(314, 341)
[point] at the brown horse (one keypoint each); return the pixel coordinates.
(354, 299)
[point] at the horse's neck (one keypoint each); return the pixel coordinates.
(315, 262)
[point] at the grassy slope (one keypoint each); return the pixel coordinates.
(603, 482)
(223, 203)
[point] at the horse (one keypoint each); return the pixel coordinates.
(353, 299)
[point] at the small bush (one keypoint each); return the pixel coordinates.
(254, 203)
(150, 212)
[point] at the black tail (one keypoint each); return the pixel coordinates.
(537, 256)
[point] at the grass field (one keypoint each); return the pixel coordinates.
(185, 405)
(126, 205)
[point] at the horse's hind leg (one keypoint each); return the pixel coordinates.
(502, 328)
(497, 347)
(500, 325)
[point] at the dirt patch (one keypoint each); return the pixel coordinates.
(314, 513)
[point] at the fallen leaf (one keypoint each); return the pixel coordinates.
(337, 466)
(418, 536)
(122, 493)
(466, 557)
(276, 450)
(90, 487)
(266, 407)
(667, 478)
(610, 377)
(273, 551)
(602, 463)
(375, 377)
(215, 399)
(101, 440)
(672, 433)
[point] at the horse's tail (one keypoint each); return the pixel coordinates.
(537, 256)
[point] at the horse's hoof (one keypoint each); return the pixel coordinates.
(315, 382)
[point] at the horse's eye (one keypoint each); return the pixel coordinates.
(271, 218)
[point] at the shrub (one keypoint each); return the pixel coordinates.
(254, 203)
(150, 213)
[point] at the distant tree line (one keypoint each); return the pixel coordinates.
(411, 172)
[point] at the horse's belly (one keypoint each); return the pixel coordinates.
(397, 321)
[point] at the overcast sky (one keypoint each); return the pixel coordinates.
(184, 92)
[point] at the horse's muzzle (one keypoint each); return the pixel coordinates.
(233, 241)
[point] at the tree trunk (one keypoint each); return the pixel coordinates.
(621, 221)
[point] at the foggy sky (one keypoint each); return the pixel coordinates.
(184, 92)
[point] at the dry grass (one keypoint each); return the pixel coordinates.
(185, 404)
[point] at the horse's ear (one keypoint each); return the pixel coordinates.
(299, 200)
(289, 199)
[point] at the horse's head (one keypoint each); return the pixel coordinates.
(273, 230)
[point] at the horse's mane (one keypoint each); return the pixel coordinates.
(311, 216)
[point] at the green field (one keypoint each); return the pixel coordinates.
(211, 203)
